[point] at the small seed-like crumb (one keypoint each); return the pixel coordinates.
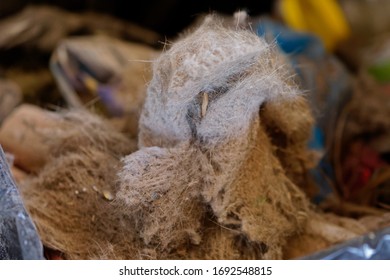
(205, 103)
(108, 195)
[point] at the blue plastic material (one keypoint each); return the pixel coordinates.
(18, 236)
(373, 246)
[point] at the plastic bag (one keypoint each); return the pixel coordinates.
(18, 236)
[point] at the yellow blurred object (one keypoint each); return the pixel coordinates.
(91, 84)
(324, 18)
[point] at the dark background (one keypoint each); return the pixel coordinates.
(167, 17)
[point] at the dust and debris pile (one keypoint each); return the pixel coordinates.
(219, 170)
